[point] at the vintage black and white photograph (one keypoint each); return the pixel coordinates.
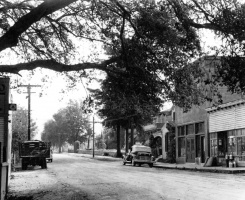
(122, 99)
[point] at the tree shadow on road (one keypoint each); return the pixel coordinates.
(19, 197)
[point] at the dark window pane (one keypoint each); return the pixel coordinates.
(190, 129)
(199, 128)
(181, 146)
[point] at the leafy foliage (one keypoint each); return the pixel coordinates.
(110, 138)
(70, 124)
(150, 61)
(20, 128)
(226, 19)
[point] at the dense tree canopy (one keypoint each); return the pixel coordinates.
(148, 41)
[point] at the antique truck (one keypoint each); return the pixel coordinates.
(34, 152)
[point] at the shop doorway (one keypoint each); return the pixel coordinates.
(202, 149)
(222, 144)
(190, 149)
(200, 146)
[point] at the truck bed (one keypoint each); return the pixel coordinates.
(34, 149)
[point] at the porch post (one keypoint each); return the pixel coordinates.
(164, 130)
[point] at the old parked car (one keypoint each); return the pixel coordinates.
(140, 154)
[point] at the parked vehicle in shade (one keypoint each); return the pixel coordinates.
(140, 154)
(34, 152)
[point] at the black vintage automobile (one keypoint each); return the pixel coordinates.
(140, 154)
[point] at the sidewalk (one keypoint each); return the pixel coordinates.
(186, 166)
(195, 167)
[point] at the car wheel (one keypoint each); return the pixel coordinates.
(139, 164)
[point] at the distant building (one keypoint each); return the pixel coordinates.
(158, 132)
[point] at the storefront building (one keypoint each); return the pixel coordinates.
(227, 131)
(205, 130)
(191, 135)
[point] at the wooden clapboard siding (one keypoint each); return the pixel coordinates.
(229, 118)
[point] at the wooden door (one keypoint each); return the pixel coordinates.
(202, 149)
(190, 150)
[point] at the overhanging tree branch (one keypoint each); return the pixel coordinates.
(182, 16)
(59, 67)
(10, 38)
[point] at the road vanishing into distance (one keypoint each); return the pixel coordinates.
(72, 176)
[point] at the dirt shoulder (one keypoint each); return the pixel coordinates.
(40, 184)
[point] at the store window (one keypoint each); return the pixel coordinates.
(181, 130)
(199, 128)
(241, 148)
(181, 147)
(213, 144)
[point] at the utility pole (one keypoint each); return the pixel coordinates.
(29, 106)
(93, 134)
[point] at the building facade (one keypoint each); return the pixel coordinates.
(209, 130)
(191, 134)
(227, 131)
(5, 136)
(158, 133)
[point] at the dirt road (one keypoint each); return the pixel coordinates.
(72, 177)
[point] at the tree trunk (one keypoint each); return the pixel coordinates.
(132, 136)
(126, 141)
(59, 144)
(88, 141)
(119, 154)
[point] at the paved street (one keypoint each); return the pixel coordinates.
(76, 177)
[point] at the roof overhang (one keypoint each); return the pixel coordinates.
(225, 106)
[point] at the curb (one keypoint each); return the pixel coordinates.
(202, 170)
